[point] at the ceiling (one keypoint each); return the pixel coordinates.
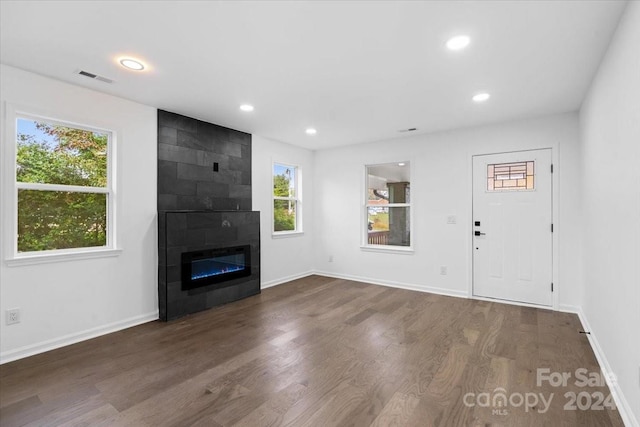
(357, 71)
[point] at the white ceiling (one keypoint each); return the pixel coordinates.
(357, 71)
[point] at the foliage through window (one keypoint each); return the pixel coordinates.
(388, 204)
(286, 198)
(62, 183)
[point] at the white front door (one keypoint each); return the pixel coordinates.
(512, 214)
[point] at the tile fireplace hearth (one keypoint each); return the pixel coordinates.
(196, 250)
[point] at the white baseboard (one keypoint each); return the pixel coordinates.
(624, 409)
(507, 302)
(568, 308)
(33, 349)
(282, 280)
(621, 403)
(400, 285)
(623, 406)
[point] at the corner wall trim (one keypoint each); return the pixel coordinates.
(624, 409)
(286, 279)
(399, 285)
(33, 349)
(623, 406)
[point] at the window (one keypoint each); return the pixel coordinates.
(64, 196)
(388, 205)
(510, 176)
(286, 199)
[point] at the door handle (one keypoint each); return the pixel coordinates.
(477, 233)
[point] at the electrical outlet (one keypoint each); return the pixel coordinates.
(13, 316)
(443, 270)
(451, 219)
(330, 258)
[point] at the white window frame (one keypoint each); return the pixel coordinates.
(365, 246)
(10, 187)
(297, 200)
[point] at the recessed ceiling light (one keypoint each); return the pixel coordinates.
(481, 97)
(311, 131)
(458, 42)
(401, 164)
(132, 64)
(246, 107)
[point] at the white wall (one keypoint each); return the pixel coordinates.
(441, 186)
(68, 301)
(610, 134)
(282, 258)
(597, 223)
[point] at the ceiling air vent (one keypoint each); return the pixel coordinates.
(94, 76)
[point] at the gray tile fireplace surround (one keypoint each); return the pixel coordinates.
(204, 203)
(186, 231)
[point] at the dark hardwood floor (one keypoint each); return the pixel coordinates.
(315, 352)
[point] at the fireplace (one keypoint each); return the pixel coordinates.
(212, 266)
(206, 259)
(204, 205)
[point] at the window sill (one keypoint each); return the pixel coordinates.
(286, 234)
(61, 257)
(403, 250)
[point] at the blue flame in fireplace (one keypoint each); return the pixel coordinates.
(216, 266)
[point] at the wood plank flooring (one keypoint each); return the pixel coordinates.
(315, 352)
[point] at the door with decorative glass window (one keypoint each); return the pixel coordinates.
(512, 226)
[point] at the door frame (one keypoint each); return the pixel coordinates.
(554, 238)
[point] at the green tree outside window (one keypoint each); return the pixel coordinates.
(50, 215)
